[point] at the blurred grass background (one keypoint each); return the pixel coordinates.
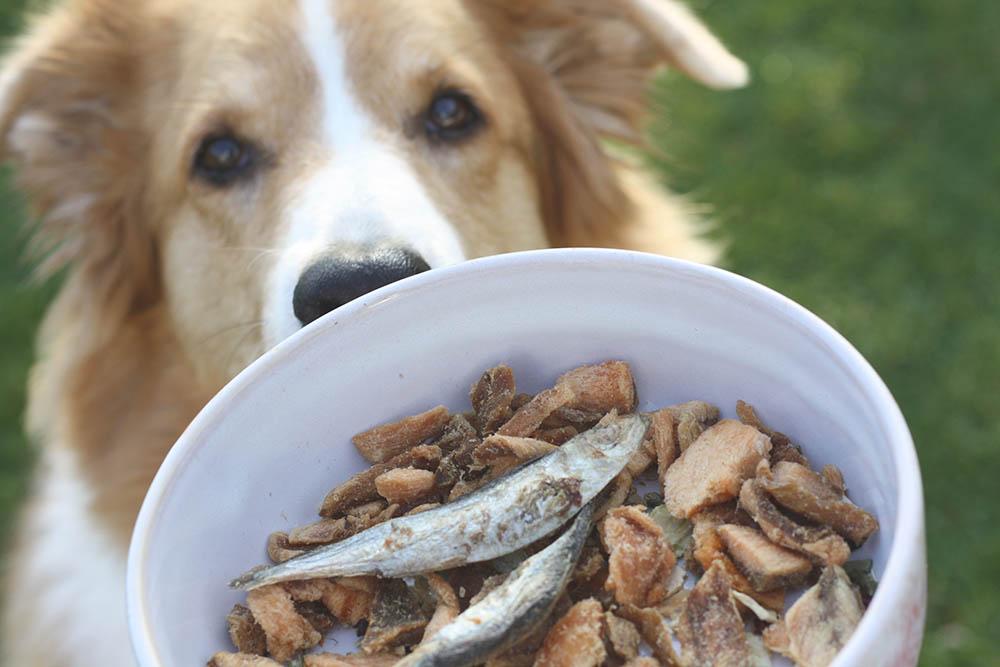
(860, 175)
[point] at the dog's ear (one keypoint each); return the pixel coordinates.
(67, 124)
(585, 66)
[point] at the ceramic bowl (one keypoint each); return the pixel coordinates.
(267, 448)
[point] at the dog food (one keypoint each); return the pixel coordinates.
(515, 534)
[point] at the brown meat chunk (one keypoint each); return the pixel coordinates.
(457, 432)
(640, 560)
(286, 631)
(506, 452)
(782, 448)
(708, 549)
(576, 638)
(447, 608)
(361, 489)
(654, 630)
(491, 397)
(712, 469)
(811, 495)
(530, 416)
(690, 421)
(767, 565)
(241, 660)
(661, 435)
(328, 531)
(520, 400)
(834, 477)
(278, 549)
(386, 441)
(556, 436)
(405, 486)
(623, 636)
(601, 387)
(455, 465)
(616, 493)
(396, 618)
(711, 630)
(317, 614)
(423, 508)
(820, 544)
(820, 622)
(352, 660)
(644, 661)
(350, 599)
(244, 631)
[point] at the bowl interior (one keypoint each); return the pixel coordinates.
(264, 453)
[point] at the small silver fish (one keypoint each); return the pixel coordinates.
(501, 517)
(511, 611)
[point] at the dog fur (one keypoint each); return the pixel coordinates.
(171, 287)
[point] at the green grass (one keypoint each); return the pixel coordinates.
(860, 175)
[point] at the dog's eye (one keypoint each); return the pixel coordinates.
(222, 160)
(452, 116)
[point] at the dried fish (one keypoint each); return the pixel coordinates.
(767, 565)
(821, 544)
(712, 469)
(820, 622)
(244, 631)
(811, 495)
(576, 639)
(396, 617)
(710, 630)
(510, 611)
(504, 516)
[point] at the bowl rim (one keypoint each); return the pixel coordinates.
(893, 587)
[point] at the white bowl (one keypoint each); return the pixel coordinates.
(263, 453)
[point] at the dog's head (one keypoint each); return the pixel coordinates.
(253, 164)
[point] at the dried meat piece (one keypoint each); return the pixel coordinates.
(386, 441)
(642, 661)
(241, 660)
(664, 440)
(405, 486)
(278, 549)
(614, 495)
(396, 619)
(457, 432)
(317, 615)
(711, 630)
(811, 495)
(712, 470)
(655, 631)
(563, 416)
(708, 549)
(367, 510)
(819, 543)
(520, 400)
(820, 622)
(244, 631)
(623, 636)
(576, 640)
(350, 599)
(834, 477)
(361, 489)
(691, 419)
(423, 508)
(491, 397)
(530, 416)
(767, 565)
(782, 448)
(352, 660)
(324, 531)
(286, 631)
(556, 436)
(447, 607)
(640, 560)
(506, 452)
(601, 388)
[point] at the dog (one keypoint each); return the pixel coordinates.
(212, 176)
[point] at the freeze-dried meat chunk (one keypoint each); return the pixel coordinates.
(691, 419)
(405, 486)
(712, 469)
(446, 605)
(782, 448)
(491, 397)
(711, 630)
(352, 660)
(530, 416)
(278, 548)
(244, 631)
(457, 432)
(397, 617)
(286, 631)
(360, 489)
(386, 441)
(557, 435)
(663, 439)
(504, 452)
(811, 495)
(350, 599)
(324, 531)
(767, 565)
(317, 615)
(600, 388)
(623, 636)
(642, 661)
(820, 622)
(576, 639)
(655, 631)
(640, 558)
(241, 660)
(820, 543)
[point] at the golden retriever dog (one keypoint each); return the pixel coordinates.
(212, 175)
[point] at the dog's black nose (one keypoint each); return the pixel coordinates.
(344, 274)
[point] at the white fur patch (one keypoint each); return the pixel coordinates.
(70, 579)
(364, 193)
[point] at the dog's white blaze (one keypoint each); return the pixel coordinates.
(366, 192)
(72, 580)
